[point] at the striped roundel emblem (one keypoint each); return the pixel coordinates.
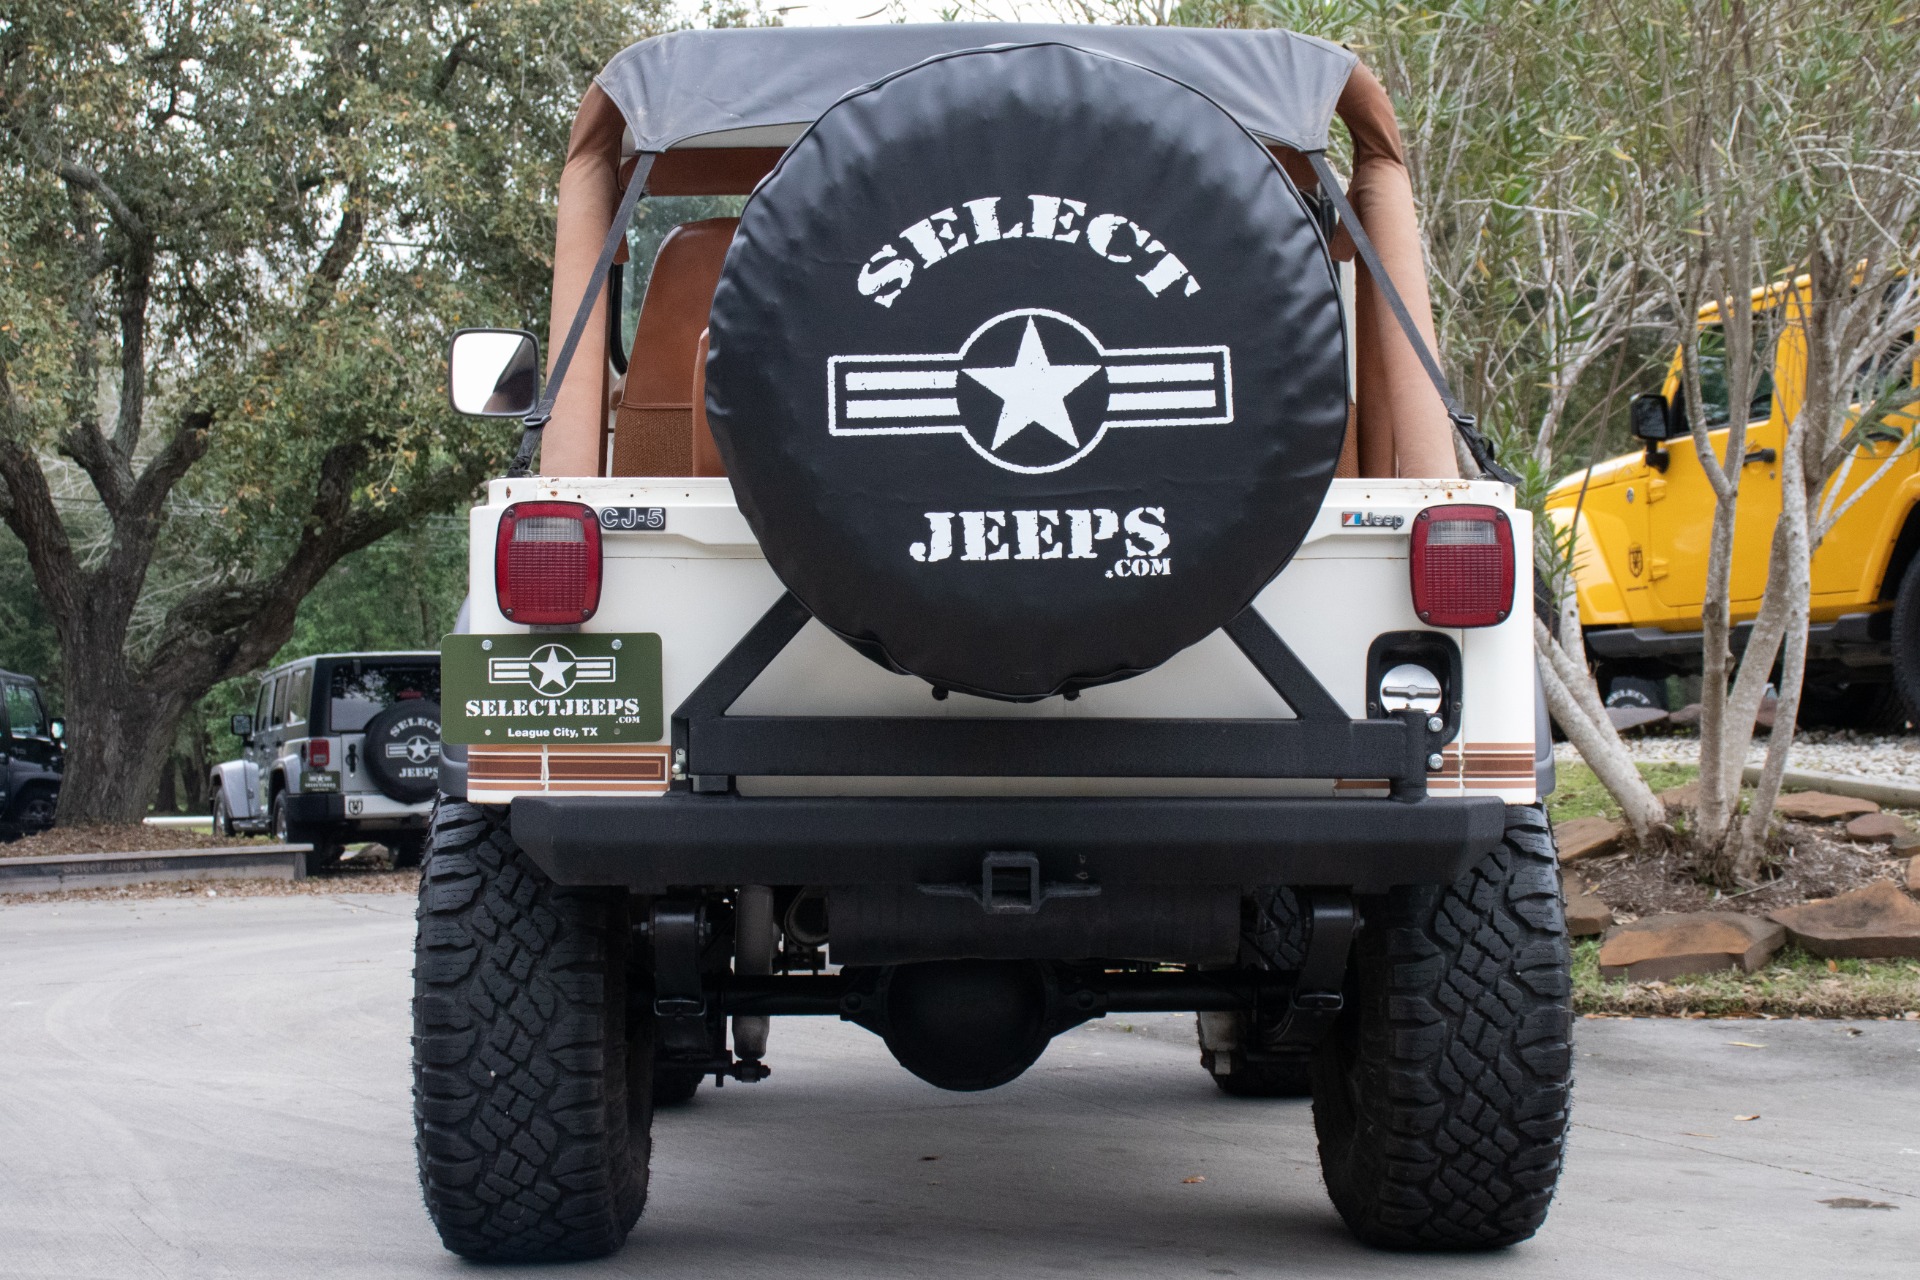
(1030, 390)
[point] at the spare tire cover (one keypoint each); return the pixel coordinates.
(1028, 368)
(402, 750)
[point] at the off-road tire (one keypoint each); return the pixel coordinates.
(532, 1101)
(323, 856)
(1906, 642)
(35, 810)
(1441, 1097)
(1274, 932)
(222, 814)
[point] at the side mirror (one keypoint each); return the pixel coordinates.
(493, 373)
(57, 729)
(242, 726)
(1649, 416)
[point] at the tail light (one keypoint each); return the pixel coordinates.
(546, 563)
(319, 753)
(1462, 566)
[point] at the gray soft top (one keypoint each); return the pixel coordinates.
(762, 86)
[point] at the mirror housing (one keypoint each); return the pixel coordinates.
(241, 725)
(1649, 416)
(493, 373)
(57, 729)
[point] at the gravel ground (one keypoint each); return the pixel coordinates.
(1892, 758)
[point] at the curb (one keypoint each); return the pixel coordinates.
(52, 873)
(1898, 795)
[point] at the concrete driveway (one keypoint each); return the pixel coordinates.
(218, 1087)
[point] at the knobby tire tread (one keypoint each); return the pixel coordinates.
(527, 1148)
(1441, 1101)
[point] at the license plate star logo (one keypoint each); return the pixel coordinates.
(1030, 368)
(552, 668)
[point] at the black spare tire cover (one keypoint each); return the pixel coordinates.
(402, 750)
(1028, 368)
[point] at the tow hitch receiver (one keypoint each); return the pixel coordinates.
(1010, 884)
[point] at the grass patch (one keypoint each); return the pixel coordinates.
(1578, 794)
(1795, 984)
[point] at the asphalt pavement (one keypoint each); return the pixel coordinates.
(219, 1087)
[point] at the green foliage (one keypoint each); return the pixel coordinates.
(27, 642)
(400, 593)
(234, 239)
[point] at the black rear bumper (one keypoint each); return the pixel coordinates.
(651, 844)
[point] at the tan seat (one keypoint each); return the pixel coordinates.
(655, 430)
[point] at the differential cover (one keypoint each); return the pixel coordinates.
(1028, 367)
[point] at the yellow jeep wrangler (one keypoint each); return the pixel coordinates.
(1644, 520)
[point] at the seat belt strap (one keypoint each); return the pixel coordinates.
(536, 421)
(1463, 422)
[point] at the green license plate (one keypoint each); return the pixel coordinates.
(567, 687)
(312, 780)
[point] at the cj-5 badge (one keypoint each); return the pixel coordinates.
(500, 690)
(633, 519)
(1368, 520)
(1030, 391)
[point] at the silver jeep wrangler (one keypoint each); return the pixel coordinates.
(340, 748)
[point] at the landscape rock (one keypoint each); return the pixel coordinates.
(1687, 715)
(1908, 843)
(1818, 806)
(1876, 922)
(1587, 838)
(1878, 826)
(1587, 916)
(1627, 719)
(1660, 948)
(1684, 796)
(1913, 875)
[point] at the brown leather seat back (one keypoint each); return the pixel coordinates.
(654, 428)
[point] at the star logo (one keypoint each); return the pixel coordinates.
(419, 749)
(551, 669)
(1033, 392)
(1023, 369)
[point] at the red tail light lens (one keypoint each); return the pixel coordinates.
(1462, 566)
(319, 753)
(546, 563)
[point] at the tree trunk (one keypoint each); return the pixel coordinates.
(121, 737)
(1576, 707)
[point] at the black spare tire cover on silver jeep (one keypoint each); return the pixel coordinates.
(402, 750)
(1028, 368)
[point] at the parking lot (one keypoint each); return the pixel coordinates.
(216, 1087)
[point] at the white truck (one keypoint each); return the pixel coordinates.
(1009, 575)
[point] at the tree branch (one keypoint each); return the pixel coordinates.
(76, 174)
